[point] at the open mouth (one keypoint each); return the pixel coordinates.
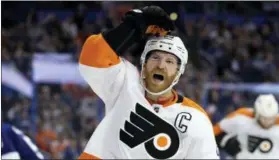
(158, 77)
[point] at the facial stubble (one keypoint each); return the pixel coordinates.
(153, 87)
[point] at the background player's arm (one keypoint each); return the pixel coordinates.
(227, 140)
(204, 144)
(226, 131)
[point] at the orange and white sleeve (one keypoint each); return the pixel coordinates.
(230, 123)
(101, 68)
(227, 130)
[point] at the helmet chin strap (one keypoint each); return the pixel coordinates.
(174, 82)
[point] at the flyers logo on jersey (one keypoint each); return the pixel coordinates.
(264, 145)
(160, 138)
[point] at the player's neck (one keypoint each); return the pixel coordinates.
(160, 98)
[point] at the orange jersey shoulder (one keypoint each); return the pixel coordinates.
(190, 103)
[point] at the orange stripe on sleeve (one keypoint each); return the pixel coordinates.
(97, 53)
(85, 156)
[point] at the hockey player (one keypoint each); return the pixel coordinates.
(16, 145)
(145, 118)
(251, 133)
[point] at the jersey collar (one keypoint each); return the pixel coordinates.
(165, 102)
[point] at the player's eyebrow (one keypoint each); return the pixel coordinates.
(172, 58)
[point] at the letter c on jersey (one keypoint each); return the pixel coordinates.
(160, 138)
(182, 120)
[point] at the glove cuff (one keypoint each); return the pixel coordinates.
(121, 37)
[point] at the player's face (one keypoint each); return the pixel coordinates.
(160, 70)
(267, 122)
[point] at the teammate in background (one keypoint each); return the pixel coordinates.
(16, 145)
(251, 133)
(145, 118)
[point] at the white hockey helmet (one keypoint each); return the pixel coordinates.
(266, 106)
(170, 44)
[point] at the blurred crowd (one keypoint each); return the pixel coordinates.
(68, 114)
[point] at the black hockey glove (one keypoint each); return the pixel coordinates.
(137, 24)
(148, 19)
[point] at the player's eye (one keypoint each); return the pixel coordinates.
(155, 57)
(170, 62)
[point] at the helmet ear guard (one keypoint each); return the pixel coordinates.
(170, 44)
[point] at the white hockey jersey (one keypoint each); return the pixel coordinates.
(255, 142)
(133, 128)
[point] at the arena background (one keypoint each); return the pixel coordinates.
(233, 49)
